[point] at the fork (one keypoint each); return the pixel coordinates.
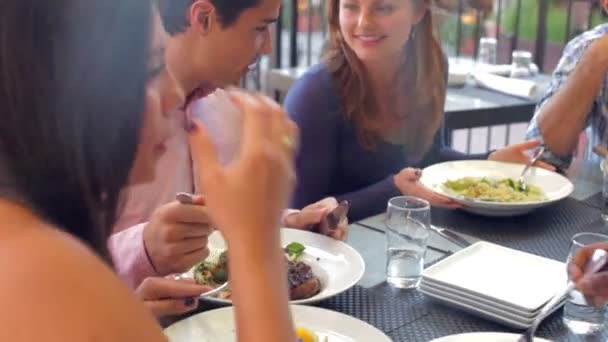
(596, 263)
(535, 156)
(215, 291)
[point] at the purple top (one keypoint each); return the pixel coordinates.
(332, 162)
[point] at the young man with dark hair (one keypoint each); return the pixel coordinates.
(212, 44)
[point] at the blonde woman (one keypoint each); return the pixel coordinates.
(372, 111)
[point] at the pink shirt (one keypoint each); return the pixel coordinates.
(173, 174)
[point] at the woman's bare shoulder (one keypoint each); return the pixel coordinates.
(55, 287)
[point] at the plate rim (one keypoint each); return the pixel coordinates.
(481, 307)
(478, 245)
(315, 298)
(293, 307)
(489, 333)
(497, 205)
(429, 285)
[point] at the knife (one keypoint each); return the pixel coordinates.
(333, 219)
(451, 236)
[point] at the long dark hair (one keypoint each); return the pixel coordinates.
(423, 82)
(72, 83)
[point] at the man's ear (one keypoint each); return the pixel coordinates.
(202, 16)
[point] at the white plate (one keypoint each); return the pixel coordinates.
(338, 265)
(218, 326)
(517, 324)
(520, 280)
(554, 185)
(484, 337)
(454, 293)
(478, 308)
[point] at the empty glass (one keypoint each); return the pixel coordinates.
(487, 50)
(407, 223)
(580, 316)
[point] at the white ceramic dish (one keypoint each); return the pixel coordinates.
(483, 309)
(475, 309)
(338, 265)
(513, 278)
(554, 185)
(218, 326)
(484, 337)
(448, 291)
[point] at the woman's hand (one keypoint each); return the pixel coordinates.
(245, 199)
(169, 296)
(253, 189)
(408, 182)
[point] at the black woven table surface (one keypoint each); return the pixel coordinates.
(595, 200)
(407, 315)
(410, 316)
(545, 232)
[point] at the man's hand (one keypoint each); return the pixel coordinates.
(176, 236)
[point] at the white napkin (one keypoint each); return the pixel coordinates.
(496, 69)
(223, 121)
(511, 86)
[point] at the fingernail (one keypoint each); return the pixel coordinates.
(189, 301)
(190, 126)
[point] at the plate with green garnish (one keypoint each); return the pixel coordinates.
(318, 267)
(492, 188)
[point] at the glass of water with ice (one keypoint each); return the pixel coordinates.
(407, 232)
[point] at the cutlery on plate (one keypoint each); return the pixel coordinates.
(520, 181)
(333, 219)
(597, 261)
(205, 294)
(215, 291)
(450, 236)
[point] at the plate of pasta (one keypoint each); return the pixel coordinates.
(491, 188)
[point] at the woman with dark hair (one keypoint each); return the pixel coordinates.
(74, 74)
(372, 111)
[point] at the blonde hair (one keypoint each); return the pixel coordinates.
(423, 84)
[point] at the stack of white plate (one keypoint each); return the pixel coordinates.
(498, 283)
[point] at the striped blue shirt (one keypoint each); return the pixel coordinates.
(597, 117)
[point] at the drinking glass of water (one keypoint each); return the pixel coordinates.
(580, 316)
(407, 233)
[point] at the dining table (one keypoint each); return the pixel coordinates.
(408, 315)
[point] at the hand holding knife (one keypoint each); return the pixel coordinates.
(333, 219)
